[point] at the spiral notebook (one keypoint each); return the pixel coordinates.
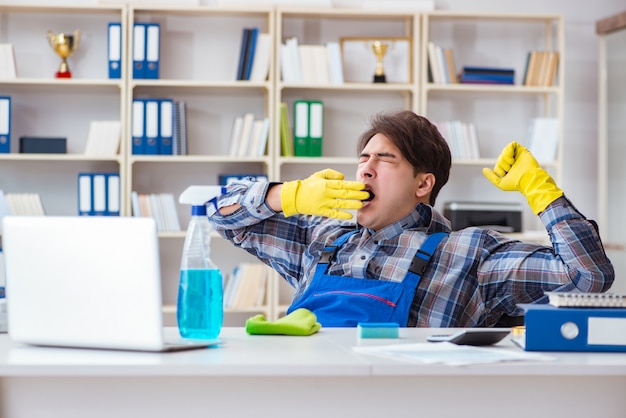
(587, 300)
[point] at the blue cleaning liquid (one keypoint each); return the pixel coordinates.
(200, 310)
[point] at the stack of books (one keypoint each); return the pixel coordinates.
(462, 138)
(161, 207)
(254, 55)
(541, 68)
(576, 322)
(441, 66)
(487, 75)
(20, 204)
(245, 288)
(249, 136)
(311, 64)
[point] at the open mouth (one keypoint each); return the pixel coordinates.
(371, 196)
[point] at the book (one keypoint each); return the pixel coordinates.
(235, 136)
(587, 300)
(335, 65)
(451, 66)
(262, 56)
(25, 204)
(160, 206)
(8, 69)
(103, 138)
(179, 129)
(543, 139)
(246, 135)
(286, 139)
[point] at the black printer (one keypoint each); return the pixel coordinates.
(498, 216)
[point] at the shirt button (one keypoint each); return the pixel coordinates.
(376, 242)
(362, 257)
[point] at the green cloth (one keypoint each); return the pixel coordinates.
(299, 322)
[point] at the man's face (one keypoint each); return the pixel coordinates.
(386, 172)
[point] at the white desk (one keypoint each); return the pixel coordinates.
(316, 376)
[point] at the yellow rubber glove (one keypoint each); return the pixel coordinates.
(323, 193)
(517, 169)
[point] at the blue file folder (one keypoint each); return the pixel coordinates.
(115, 50)
(549, 328)
(99, 194)
(166, 122)
(5, 124)
(85, 196)
(139, 50)
(153, 41)
(138, 126)
(113, 194)
(152, 127)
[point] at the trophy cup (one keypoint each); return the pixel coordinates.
(64, 45)
(380, 48)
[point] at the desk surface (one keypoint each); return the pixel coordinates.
(327, 353)
(319, 375)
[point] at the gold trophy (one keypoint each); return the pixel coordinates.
(380, 49)
(64, 45)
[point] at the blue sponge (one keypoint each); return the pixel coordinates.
(378, 329)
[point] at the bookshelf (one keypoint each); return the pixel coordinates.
(346, 105)
(199, 50)
(500, 41)
(44, 106)
(611, 32)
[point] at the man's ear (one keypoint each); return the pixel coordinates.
(425, 184)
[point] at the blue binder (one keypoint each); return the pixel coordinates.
(139, 50)
(99, 194)
(85, 195)
(5, 124)
(166, 122)
(549, 328)
(113, 194)
(153, 41)
(152, 127)
(138, 126)
(115, 50)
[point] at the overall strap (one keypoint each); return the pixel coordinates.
(423, 255)
(329, 250)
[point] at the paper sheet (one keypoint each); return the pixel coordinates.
(449, 354)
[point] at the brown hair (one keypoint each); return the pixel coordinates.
(418, 140)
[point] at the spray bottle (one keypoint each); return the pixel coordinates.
(200, 307)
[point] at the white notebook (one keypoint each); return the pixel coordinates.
(587, 300)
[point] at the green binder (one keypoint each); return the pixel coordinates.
(301, 128)
(316, 128)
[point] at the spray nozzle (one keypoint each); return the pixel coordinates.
(198, 196)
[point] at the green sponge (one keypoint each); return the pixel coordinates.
(299, 322)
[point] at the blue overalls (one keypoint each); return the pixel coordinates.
(340, 301)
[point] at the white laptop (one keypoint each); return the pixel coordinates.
(91, 282)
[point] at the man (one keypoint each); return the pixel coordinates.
(373, 271)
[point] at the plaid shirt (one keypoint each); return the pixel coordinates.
(474, 277)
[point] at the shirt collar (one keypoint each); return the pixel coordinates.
(423, 217)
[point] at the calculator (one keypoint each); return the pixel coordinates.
(472, 336)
